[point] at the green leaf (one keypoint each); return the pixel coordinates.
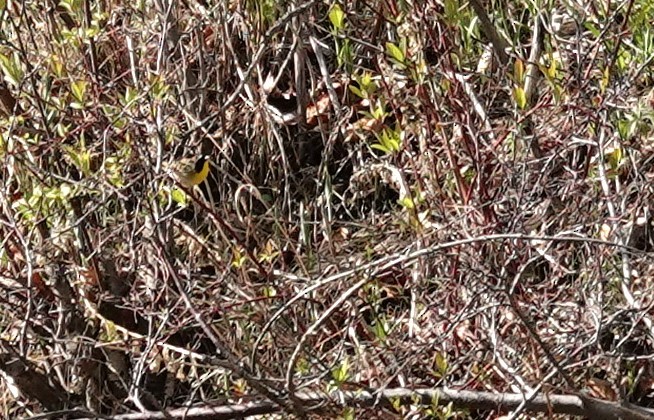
(11, 69)
(592, 28)
(78, 89)
(179, 197)
(113, 166)
(357, 92)
(451, 10)
(337, 17)
(348, 413)
(389, 140)
(395, 52)
(239, 258)
(379, 111)
(130, 97)
(81, 158)
(72, 6)
(366, 86)
(110, 332)
(615, 158)
(419, 71)
(518, 70)
(606, 76)
(91, 32)
(159, 87)
(552, 69)
(341, 372)
(109, 111)
(365, 81)
(345, 54)
(407, 203)
(520, 97)
(302, 366)
(57, 66)
(269, 291)
(380, 329)
(380, 147)
(441, 364)
(447, 411)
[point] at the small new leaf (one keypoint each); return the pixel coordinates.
(520, 97)
(606, 76)
(407, 203)
(179, 197)
(341, 372)
(337, 17)
(78, 89)
(357, 92)
(381, 148)
(395, 53)
(518, 70)
(11, 69)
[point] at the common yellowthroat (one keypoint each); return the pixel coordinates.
(196, 174)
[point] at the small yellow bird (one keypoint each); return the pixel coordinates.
(196, 174)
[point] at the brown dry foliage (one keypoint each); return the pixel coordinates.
(308, 252)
